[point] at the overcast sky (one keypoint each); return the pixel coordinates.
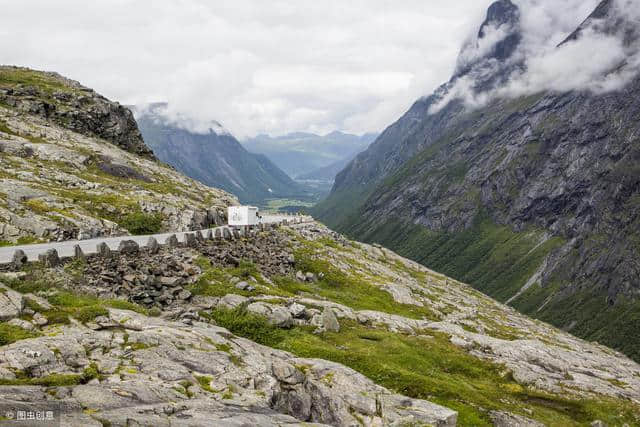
(256, 66)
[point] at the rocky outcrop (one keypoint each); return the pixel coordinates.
(72, 106)
(61, 184)
(153, 371)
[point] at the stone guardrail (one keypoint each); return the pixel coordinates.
(53, 254)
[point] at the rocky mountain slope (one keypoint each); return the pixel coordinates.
(290, 326)
(215, 158)
(302, 153)
(532, 199)
(74, 165)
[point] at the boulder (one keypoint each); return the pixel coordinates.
(19, 258)
(50, 258)
(297, 310)
(280, 317)
(329, 320)
(242, 285)
(231, 301)
(286, 373)
(20, 323)
(11, 303)
(128, 247)
(152, 245)
(39, 319)
(310, 277)
(300, 276)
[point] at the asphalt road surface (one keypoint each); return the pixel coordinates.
(66, 248)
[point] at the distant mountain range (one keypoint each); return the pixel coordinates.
(214, 157)
(532, 198)
(301, 154)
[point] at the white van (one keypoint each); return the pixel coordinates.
(243, 215)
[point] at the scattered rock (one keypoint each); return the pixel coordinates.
(40, 320)
(20, 323)
(297, 310)
(300, 276)
(329, 320)
(280, 317)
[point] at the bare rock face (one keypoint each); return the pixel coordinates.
(265, 389)
(11, 303)
(76, 108)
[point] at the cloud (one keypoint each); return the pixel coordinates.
(256, 67)
(603, 58)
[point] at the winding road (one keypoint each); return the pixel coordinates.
(89, 246)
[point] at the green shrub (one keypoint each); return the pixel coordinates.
(140, 223)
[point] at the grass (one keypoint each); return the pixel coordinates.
(492, 258)
(429, 368)
(10, 334)
(351, 289)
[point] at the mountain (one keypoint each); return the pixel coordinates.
(215, 158)
(74, 166)
(532, 199)
(300, 153)
(289, 326)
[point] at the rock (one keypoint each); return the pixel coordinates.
(507, 419)
(286, 373)
(236, 233)
(218, 233)
(78, 252)
(297, 310)
(24, 324)
(50, 258)
(329, 320)
(152, 245)
(19, 258)
(172, 241)
(300, 276)
(40, 320)
(242, 286)
(184, 295)
(280, 317)
(199, 236)
(209, 235)
(310, 277)
(171, 281)
(190, 240)
(598, 423)
(291, 259)
(11, 303)
(128, 247)
(103, 250)
(231, 301)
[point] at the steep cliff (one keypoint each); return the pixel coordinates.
(533, 199)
